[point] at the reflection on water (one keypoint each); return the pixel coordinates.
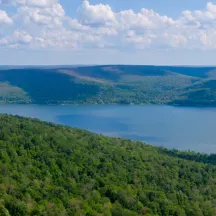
(110, 126)
(172, 127)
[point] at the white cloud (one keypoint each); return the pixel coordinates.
(44, 23)
(22, 37)
(99, 14)
(145, 19)
(75, 25)
(128, 19)
(105, 31)
(30, 3)
(4, 18)
(4, 41)
(139, 41)
(38, 3)
(5, 1)
(211, 8)
(17, 38)
(43, 16)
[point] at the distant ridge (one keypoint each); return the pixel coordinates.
(108, 84)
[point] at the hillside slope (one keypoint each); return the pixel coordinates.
(203, 93)
(109, 84)
(46, 169)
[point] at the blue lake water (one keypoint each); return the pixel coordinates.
(172, 127)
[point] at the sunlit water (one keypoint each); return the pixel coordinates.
(172, 127)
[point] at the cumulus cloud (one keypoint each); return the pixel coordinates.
(75, 25)
(43, 16)
(44, 23)
(22, 37)
(99, 14)
(145, 19)
(4, 18)
(139, 41)
(17, 38)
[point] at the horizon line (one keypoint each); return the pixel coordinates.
(71, 65)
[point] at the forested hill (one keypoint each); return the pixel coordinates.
(47, 169)
(111, 84)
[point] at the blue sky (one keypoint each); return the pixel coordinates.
(60, 32)
(167, 7)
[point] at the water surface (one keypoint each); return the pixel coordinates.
(172, 127)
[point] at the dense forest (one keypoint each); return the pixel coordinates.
(47, 169)
(113, 84)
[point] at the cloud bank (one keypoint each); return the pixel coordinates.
(45, 25)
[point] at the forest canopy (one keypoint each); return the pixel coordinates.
(109, 84)
(47, 169)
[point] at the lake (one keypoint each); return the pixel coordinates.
(182, 128)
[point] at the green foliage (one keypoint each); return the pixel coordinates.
(47, 169)
(114, 84)
(11, 94)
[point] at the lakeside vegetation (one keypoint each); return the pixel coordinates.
(47, 169)
(117, 84)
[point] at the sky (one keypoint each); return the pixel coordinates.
(71, 32)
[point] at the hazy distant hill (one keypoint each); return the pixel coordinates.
(110, 84)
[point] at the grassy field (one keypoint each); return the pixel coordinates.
(9, 94)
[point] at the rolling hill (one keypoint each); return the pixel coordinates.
(122, 84)
(47, 169)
